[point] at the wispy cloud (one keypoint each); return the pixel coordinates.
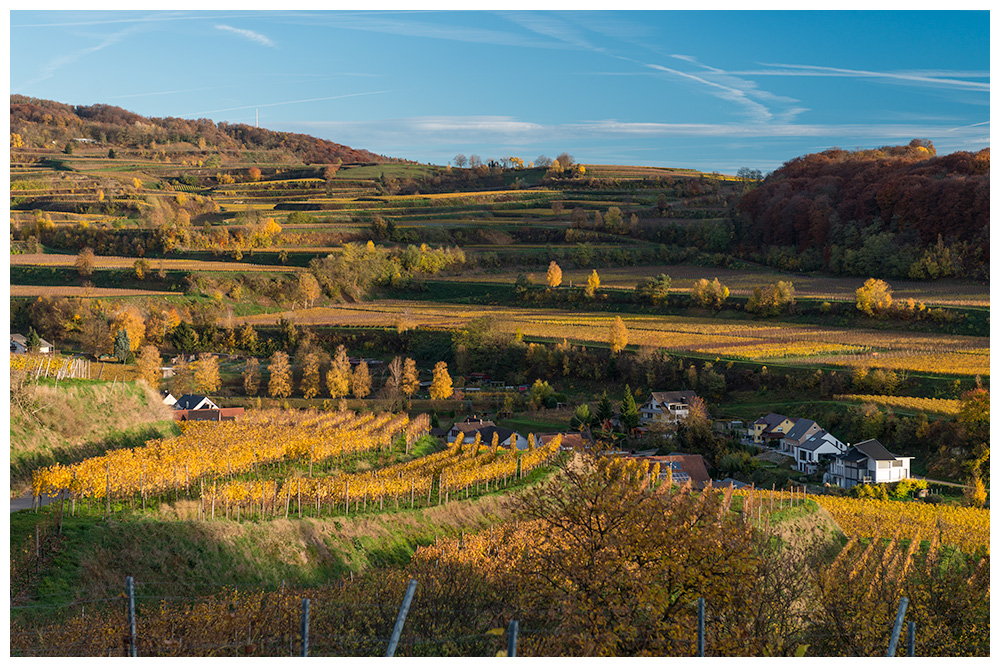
(404, 24)
(278, 104)
(247, 34)
(497, 129)
(49, 69)
(167, 92)
(936, 78)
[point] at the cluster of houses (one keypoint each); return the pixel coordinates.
(812, 447)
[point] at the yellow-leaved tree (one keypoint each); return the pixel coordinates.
(148, 366)
(310, 375)
(441, 382)
(618, 335)
(874, 298)
(338, 378)
(251, 376)
(361, 381)
(280, 384)
(206, 373)
(132, 321)
(593, 283)
(553, 277)
(411, 378)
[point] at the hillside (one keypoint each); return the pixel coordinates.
(895, 212)
(76, 419)
(42, 123)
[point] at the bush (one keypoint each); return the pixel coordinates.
(876, 491)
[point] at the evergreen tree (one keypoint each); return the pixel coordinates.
(121, 348)
(604, 410)
(629, 411)
(33, 340)
(184, 337)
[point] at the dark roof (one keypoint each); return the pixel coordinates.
(873, 449)
(772, 419)
(684, 396)
(800, 428)
(869, 449)
(188, 401)
(814, 441)
(486, 434)
(438, 432)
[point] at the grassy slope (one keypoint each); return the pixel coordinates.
(174, 553)
(82, 418)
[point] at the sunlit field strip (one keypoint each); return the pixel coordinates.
(802, 343)
(831, 288)
(947, 363)
(115, 262)
(943, 406)
(78, 291)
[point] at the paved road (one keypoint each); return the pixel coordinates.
(939, 481)
(24, 503)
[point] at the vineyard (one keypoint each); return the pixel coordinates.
(940, 406)
(806, 344)
(240, 469)
(966, 528)
(547, 569)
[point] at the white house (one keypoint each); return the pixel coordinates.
(666, 407)
(816, 447)
(168, 398)
(800, 431)
(19, 345)
(867, 462)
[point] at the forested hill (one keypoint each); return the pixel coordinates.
(41, 122)
(898, 211)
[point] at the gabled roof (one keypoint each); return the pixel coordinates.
(869, 449)
(23, 340)
(874, 449)
(771, 420)
(191, 402)
(468, 426)
(816, 440)
(684, 396)
(800, 428)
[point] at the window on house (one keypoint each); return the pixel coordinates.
(897, 464)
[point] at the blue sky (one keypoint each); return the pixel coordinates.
(713, 90)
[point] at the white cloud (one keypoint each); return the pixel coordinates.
(247, 34)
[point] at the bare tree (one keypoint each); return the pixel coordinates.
(460, 160)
